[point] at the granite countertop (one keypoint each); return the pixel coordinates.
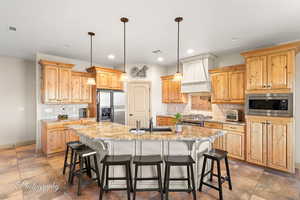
(71, 119)
(225, 122)
(113, 131)
(165, 115)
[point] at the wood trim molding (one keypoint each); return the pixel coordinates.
(87, 74)
(95, 69)
(263, 51)
(167, 77)
(53, 63)
(241, 67)
(17, 144)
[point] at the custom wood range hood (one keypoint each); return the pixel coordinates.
(195, 73)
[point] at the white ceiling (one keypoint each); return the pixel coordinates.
(60, 27)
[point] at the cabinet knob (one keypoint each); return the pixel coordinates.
(130, 114)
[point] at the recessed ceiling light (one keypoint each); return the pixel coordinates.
(160, 59)
(111, 56)
(12, 28)
(67, 46)
(190, 51)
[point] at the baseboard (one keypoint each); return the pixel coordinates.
(17, 144)
(297, 165)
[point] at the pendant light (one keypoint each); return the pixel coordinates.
(178, 75)
(91, 81)
(124, 77)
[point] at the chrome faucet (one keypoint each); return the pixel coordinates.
(151, 124)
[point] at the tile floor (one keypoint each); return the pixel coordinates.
(22, 172)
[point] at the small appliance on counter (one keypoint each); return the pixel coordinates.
(233, 115)
(62, 117)
(83, 112)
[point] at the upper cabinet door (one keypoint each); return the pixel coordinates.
(236, 86)
(220, 90)
(165, 91)
(51, 84)
(65, 84)
(280, 70)
(280, 144)
(86, 90)
(103, 80)
(256, 73)
(76, 88)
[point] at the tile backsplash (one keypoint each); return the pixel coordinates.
(52, 111)
(218, 110)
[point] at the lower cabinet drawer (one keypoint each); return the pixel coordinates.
(215, 125)
(232, 127)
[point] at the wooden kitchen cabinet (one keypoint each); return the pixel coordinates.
(107, 78)
(56, 141)
(165, 121)
(270, 142)
(171, 91)
(55, 135)
(81, 91)
(271, 70)
(234, 142)
(228, 84)
(56, 82)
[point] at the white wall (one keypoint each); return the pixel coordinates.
(153, 75)
(229, 59)
(17, 107)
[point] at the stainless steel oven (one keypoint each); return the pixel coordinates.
(277, 105)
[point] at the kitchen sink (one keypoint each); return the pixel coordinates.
(153, 129)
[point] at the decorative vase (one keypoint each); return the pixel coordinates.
(178, 128)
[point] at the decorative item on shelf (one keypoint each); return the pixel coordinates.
(62, 117)
(91, 81)
(178, 75)
(137, 72)
(178, 124)
(124, 76)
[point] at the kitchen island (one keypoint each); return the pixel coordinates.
(114, 139)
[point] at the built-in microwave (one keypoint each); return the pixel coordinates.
(277, 105)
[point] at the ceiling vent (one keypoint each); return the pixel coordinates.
(157, 51)
(12, 28)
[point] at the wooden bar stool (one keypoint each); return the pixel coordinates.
(148, 160)
(113, 160)
(71, 146)
(216, 155)
(180, 160)
(84, 154)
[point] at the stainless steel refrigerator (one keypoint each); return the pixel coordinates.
(111, 106)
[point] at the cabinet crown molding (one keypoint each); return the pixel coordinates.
(96, 69)
(263, 51)
(241, 67)
(53, 63)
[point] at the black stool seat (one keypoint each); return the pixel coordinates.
(73, 145)
(147, 160)
(154, 160)
(179, 159)
(109, 160)
(216, 154)
(83, 154)
(116, 159)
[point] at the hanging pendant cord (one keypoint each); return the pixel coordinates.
(124, 48)
(178, 48)
(91, 51)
